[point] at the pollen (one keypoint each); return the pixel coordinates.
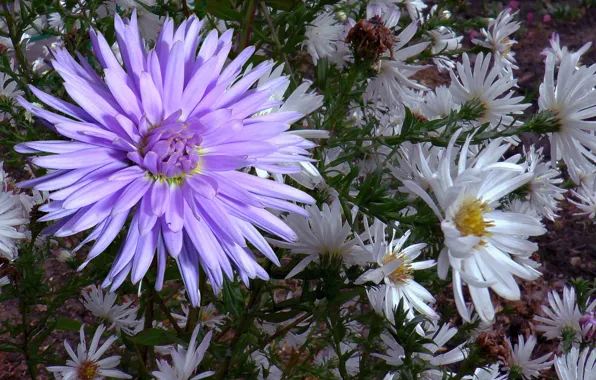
(88, 370)
(403, 272)
(470, 218)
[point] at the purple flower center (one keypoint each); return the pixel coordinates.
(171, 150)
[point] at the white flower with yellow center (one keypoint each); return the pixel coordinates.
(519, 362)
(482, 243)
(395, 271)
(86, 364)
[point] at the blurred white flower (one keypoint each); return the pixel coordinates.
(320, 233)
(495, 93)
(12, 215)
(489, 373)
(576, 366)
(86, 363)
(563, 316)
(208, 317)
(571, 100)
(544, 192)
(497, 38)
(185, 361)
(440, 356)
(586, 198)
(519, 359)
(395, 271)
(322, 36)
(444, 40)
(103, 306)
(560, 52)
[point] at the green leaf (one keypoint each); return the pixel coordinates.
(222, 10)
(232, 298)
(67, 324)
(156, 337)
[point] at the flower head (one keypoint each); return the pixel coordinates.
(86, 363)
(163, 138)
(322, 36)
(519, 361)
(103, 305)
(320, 233)
(484, 246)
(497, 38)
(185, 360)
(12, 215)
(395, 267)
(576, 365)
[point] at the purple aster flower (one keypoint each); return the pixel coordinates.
(165, 138)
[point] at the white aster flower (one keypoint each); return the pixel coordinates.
(444, 40)
(481, 242)
(208, 317)
(86, 363)
(103, 306)
(494, 92)
(262, 362)
(322, 36)
(438, 104)
(586, 198)
(489, 373)
(559, 52)
(521, 207)
(12, 215)
(544, 192)
(520, 362)
(576, 366)
(497, 38)
(320, 233)
(395, 352)
(439, 355)
(396, 265)
(571, 100)
(562, 318)
(185, 361)
(387, 88)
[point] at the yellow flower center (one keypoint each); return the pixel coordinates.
(403, 272)
(87, 370)
(469, 220)
(507, 42)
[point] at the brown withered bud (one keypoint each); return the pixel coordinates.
(492, 345)
(370, 39)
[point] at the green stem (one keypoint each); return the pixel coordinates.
(149, 313)
(251, 11)
(16, 43)
(166, 311)
(276, 40)
(192, 320)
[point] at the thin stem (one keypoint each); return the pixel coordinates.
(185, 8)
(149, 312)
(166, 311)
(192, 320)
(276, 40)
(251, 11)
(16, 42)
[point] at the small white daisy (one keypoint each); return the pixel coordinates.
(559, 52)
(103, 306)
(394, 353)
(86, 363)
(208, 317)
(443, 41)
(322, 35)
(571, 99)
(439, 355)
(497, 38)
(396, 265)
(544, 192)
(563, 316)
(185, 361)
(438, 104)
(494, 92)
(576, 366)
(12, 215)
(481, 242)
(520, 362)
(585, 196)
(320, 233)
